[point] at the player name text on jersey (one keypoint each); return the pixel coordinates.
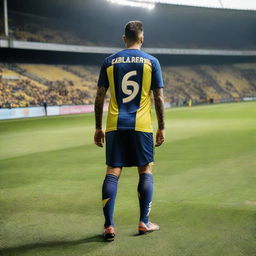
(130, 60)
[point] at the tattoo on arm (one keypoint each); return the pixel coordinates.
(98, 106)
(159, 106)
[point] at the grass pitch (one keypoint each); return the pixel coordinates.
(204, 198)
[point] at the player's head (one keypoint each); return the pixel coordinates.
(133, 33)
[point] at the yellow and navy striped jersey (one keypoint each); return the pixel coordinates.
(130, 75)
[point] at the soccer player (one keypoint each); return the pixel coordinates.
(130, 75)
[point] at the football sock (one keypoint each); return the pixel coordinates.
(109, 190)
(145, 192)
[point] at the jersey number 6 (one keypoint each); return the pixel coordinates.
(125, 83)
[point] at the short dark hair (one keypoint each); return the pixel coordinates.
(133, 30)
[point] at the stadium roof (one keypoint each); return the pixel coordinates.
(224, 4)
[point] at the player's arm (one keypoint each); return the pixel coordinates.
(159, 106)
(99, 103)
(157, 85)
(98, 109)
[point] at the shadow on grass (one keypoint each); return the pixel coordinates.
(138, 234)
(54, 244)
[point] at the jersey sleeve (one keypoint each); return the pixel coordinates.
(157, 78)
(103, 77)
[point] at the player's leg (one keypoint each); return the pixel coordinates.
(114, 163)
(145, 193)
(143, 155)
(115, 154)
(109, 191)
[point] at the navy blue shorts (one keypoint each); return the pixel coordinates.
(129, 148)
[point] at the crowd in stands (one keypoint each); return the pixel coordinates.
(32, 84)
(24, 85)
(28, 27)
(209, 83)
(36, 28)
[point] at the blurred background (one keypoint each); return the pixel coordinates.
(51, 51)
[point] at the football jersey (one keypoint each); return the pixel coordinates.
(130, 75)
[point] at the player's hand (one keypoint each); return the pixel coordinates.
(160, 134)
(99, 137)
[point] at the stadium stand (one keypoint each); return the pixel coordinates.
(31, 84)
(35, 28)
(235, 28)
(209, 82)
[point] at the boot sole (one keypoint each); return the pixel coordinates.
(109, 237)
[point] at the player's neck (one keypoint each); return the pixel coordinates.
(134, 46)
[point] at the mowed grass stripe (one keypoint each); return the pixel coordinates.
(53, 133)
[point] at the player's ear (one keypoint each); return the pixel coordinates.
(124, 39)
(142, 39)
